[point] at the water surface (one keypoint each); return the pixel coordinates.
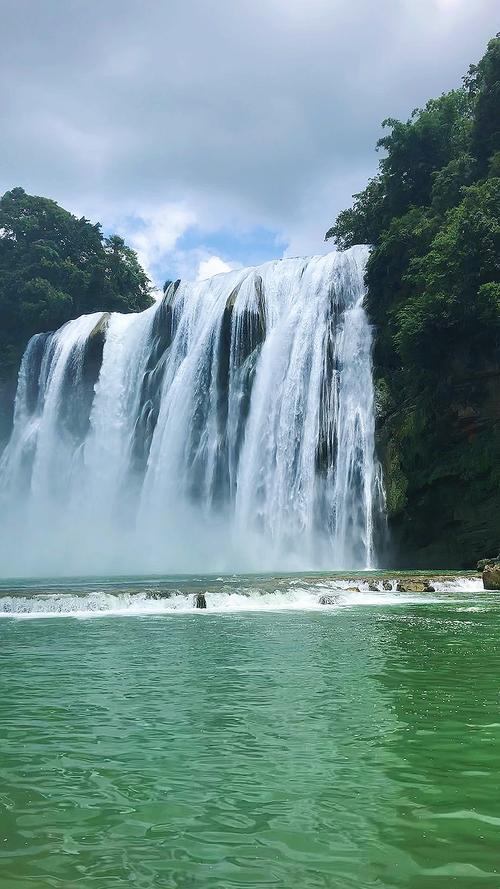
(294, 746)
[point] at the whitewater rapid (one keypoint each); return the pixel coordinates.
(230, 427)
(246, 595)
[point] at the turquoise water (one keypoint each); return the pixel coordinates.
(351, 746)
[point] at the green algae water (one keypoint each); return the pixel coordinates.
(266, 741)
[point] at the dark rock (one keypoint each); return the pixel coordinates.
(353, 589)
(162, 333)
(200, 600)
(481, 565)
(328, 600)
(430, 520)
(387, 585)
(158, 594)
(491, 577)
(373, 588)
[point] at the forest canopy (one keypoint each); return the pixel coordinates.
(432, 214)
(54, 267)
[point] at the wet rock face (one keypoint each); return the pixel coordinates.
(240, 338)
(491, 577)
(431, 522)
(200, 600)
(414, 586)
(328, 600)
(162, 333)
(80, 378)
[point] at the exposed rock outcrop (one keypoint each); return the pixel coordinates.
(491, 577)
(200, 600)
(414, 586)
(158, 594)
(441, 471)
(481, 565)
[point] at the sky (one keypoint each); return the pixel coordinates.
(214, 134)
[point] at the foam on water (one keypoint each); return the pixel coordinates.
(459, 585)
(297, 596)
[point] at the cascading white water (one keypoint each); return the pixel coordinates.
(229, 427)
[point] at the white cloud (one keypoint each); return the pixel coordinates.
(155, 233)
(214, 265)
(258, 115)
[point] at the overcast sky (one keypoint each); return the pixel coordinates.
(222, 133)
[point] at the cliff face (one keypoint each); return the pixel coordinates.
(8, 383)
(442, 470)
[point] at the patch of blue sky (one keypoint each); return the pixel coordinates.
(245, 247)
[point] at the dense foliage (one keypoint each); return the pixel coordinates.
(432, 214)
(54, 267)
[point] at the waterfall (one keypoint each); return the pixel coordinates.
(230, 427)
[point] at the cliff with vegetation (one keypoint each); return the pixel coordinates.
(432, 214)
(54, 267)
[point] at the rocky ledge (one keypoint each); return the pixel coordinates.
(491, 576)
(399, 584)
(490, 570)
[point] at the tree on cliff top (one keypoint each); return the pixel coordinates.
(54, 267)
(432, 214)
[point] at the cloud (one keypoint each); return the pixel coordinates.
(214, 265)
(155, 233)
(262, 115)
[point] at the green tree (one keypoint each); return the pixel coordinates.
(54, 267)
(432, 216)
(483, 81)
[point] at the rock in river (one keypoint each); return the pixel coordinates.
(200, 600)
(414, 586)
(491, 577)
